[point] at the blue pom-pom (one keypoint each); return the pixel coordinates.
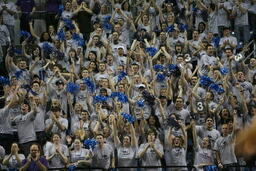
(90, 143)
(17, 51)
(90, 85)
(173, 68)
(107, 18)
(121, 76)
(72, 88)
(206, 81)
(224, 71)
(99, 99)
(195, 9)
(158, 67)
(4, 80)
(24, 34)
(42, 74)
(211, 168)
(216, 41)
(71, 168)
(107, 26)
(18, 74)
(216, 88)
(128, 117)
(120, 97)
(151, 51)
(61, 8)
(78, 39)
(160, 77)
(47, 48)
(220, 90)
(68, 23)
(140, 103)
(61, 35)
(170, 28)
(183, 27)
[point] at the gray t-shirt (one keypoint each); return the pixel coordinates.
(226, 147)
(126, 156)
(26, 127)
(39, 120)
(175, 156)
(56, 161)
(78, 155)
(150, 158)
(204, 156)
(5, 126)
(102, 157)
(56, 129)
(203, 132)
(13, 163)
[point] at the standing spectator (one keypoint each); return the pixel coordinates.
(80, 156)
(224, 9)
(56, 124)
(57, 154)
(176, 149)
(5, 41)
(8, 10)
(151, 152)
(207, 130)
(52, 9)
(26, 8)
(6, 136)
(14, 159)
(84, 16)
(103, 154)
(224, 146)
(204, 153)
(26, 127)
(34, 161)
(227, 40)
(126, 151)
(242, 28)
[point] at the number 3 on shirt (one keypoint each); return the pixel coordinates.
(200, 106)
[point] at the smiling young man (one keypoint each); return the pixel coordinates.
(26, 127)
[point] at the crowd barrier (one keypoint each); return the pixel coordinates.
(164, 168)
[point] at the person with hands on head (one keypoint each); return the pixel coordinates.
(204, 154)
(126, 150)
(34, 161)
(151, 152)
(176, 149)
(14, 159)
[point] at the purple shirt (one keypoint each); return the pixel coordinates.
(26, 5)
(53, 6)
(33, 166)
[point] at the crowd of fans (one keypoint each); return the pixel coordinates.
(125, 83)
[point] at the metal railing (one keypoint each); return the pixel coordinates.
(189, 167)
(252, 53)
